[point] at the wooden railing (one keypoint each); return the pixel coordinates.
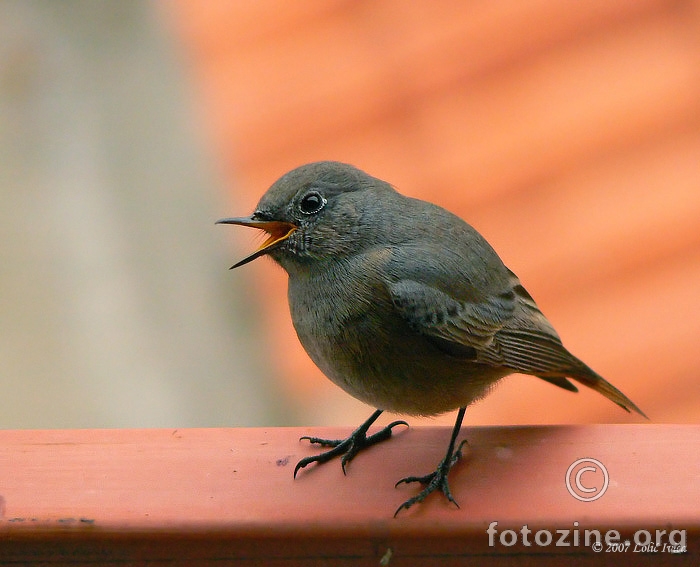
(227, 496)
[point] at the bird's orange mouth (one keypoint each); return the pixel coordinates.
(278, 232)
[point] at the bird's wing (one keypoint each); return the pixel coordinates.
(487, 316)
(532, 351)
(457, 298)
(529, 344)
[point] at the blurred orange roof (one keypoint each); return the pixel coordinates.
(567, 133)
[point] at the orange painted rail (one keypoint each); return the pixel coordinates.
(227, 496)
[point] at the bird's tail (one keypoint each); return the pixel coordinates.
(594, 381)
(537, 350)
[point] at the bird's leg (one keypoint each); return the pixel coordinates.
(349, 447)
(438, 478)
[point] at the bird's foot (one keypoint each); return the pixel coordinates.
(433, 481)
(349, 447)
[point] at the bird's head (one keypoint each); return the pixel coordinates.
(317, 212)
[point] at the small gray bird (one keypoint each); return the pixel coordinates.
(403, 305)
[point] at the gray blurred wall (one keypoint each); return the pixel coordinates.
(116, 305)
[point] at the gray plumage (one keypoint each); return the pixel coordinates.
(403, 304)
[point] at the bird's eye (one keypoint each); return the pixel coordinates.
(312, 203)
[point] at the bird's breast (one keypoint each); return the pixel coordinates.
(350, 329)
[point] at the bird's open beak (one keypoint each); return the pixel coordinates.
(279, 231)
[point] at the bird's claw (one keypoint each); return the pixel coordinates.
(433, 481)
(348, 448)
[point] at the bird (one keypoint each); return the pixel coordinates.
(403, 305)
